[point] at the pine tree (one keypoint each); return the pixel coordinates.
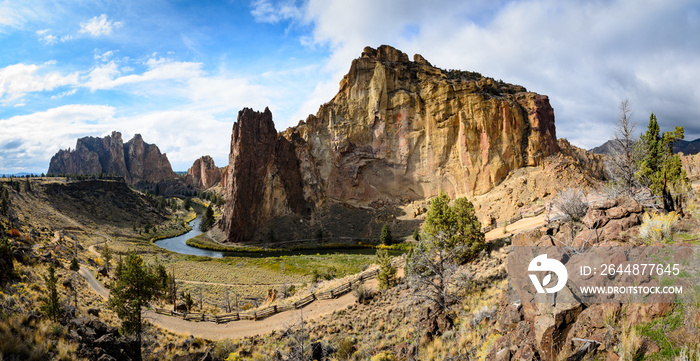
(659, 167)
(51, 304)
(136, 284)
(385, 237)
(106, 256)
(458, 224)
(387, 273)
(207, 220)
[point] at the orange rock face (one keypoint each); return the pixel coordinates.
(203, 174)
(399, 128)
(405, 130)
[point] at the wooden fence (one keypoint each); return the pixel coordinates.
(275, 309)
(515, 219)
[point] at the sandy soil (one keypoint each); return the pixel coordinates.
(524, 224)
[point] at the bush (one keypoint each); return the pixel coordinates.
(658, 227)
(346, 347)
(570, 202)
(74, 265)
(384, 356)
(328, 274)
(363, 294)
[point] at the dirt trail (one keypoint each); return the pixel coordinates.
(517, 227)
(237, 329)
(93, 282)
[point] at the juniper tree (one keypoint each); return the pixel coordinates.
(385, 236)
(659, 167)
(7, 267)
(51, 304)
(621, 165)
(387, 272)
(458, 223)
(136, 284)
(451, 235)
(207, 220)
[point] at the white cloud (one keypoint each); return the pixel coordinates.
(65, 94)
(46, 37)
(104, 56)
(27, 142)
(266, 11)
(19, 79)
(50, 39)
(98, 26)
(109, 76)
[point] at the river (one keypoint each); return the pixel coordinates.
(178, 244)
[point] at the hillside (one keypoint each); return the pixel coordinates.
(683, 146)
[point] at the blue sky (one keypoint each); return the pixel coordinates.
(178, 71)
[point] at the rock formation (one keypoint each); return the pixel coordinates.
(263, 180)
(691, 165)
(203, 174)
(136, 161)
(397, 130)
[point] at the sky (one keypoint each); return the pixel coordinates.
(179, 71)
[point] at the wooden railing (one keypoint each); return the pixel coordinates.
(275, 309)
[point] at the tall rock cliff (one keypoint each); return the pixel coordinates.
(203, 174)
(136, 161)
(263, 180)
(401, 130)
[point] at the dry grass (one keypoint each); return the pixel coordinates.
(630, 344)
(658, 227)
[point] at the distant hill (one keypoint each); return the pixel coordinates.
(683, 146)
(687, 147)
(605, 148)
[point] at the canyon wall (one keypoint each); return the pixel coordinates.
(396, 131)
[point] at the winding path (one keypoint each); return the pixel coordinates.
(235, 329)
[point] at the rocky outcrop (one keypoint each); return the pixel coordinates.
(691, 165)
(264, 179)
(397, 131)
(203, 174)
(399, 128)
(136, 161)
